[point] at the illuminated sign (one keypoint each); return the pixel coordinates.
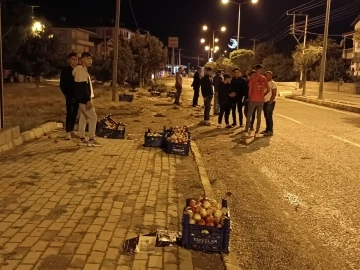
(233, 43)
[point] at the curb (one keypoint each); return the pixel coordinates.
(284, 93)
(12, 137)
(325, 103)
(229, 261)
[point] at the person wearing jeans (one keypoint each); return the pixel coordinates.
(258, 89)
(196, 86)
(269, 104)
(84, 95)
(239, 85)
(178, 85)
(207, 93)
(67, 88)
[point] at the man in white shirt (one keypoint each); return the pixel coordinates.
(269, 104)
(178, 85)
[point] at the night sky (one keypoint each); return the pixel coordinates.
(184, 18)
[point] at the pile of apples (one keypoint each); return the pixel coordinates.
(206, 212)
(151, 134)
(178, 134)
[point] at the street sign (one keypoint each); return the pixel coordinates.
(173, 42)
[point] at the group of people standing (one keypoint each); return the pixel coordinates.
(75, 84)
(250, 93)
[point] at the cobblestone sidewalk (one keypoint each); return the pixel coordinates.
(65, 207)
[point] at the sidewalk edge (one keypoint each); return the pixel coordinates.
(325, 103)
(229, 261)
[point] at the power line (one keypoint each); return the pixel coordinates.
(132, 11)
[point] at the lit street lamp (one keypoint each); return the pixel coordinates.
(239, 4)
(37, 27)
(222, 29)
(202, 40)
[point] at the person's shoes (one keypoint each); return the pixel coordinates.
(249, 133)
(257, 135)
(74, 136)
(252, 128)
(268, 134)
(241, 125)
(83, 142)
(233, 124)
(93, 142)
(219, 126)
(263, 132)
(228, 126)
(68, 136)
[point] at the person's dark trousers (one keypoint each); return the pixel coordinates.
(72, 108)
(178, 94)
(207, 107)
(224, 110)
(232, 108)
(268, 113)
(240, 105)
(196, 96)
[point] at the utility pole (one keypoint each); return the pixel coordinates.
(293, 32)
(32, 11)
(1, 79)
(173, 60)
(254, 46)
(180, 56)
(323, 59)
(116, 51)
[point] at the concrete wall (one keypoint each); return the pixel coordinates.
(349, 88)
(10, 137)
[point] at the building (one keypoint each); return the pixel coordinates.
(104, 38)
(75, 39)
(352, 55)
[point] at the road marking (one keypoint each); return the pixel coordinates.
(288, 118)
(322, 107)
(344, 140)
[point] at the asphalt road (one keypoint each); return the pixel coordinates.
(294, 197)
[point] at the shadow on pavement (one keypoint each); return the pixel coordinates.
(213, 133)
(353, 121)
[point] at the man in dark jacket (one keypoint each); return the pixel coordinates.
(196, 86)
(224, 96)
(216, 82)
(207, 92)
(67, 88)
(238, 84)
(84, 94)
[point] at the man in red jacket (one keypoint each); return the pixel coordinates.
(258, 89)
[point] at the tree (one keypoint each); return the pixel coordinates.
(16, 21)
(211, 65)
(262, 51)
(334, 70)
(281, 67)
(306, 61)
(150, 55)
(102, 68)
(242, 58)
(225, 64)
(39, 54)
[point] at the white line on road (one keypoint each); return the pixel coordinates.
(344, 140)
(321, 107)
(288, 118)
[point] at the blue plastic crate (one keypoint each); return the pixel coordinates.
(153, 141)
(125, 97)
(181, 149)
(217, 240)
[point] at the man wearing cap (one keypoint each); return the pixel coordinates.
(216, 82)
(258, 89)
(196, 86)
(207, 92)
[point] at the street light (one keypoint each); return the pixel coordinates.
(37, 27)
(216, 48)
(202, 40)
(207, 48)
(239, 4)
(222, 29)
